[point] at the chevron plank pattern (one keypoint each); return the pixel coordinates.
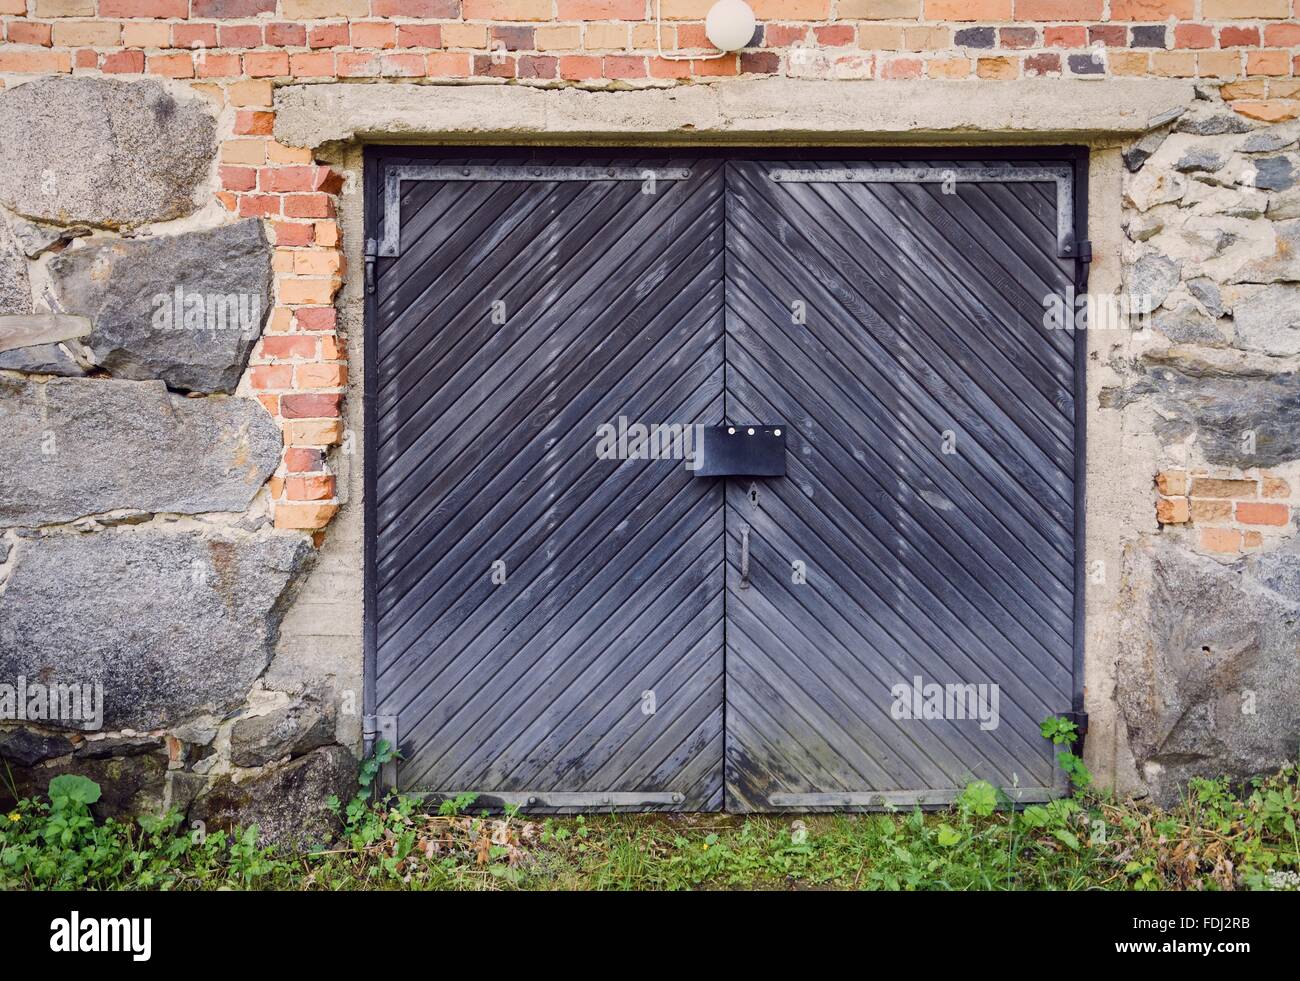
(613, 306)
(922, 316)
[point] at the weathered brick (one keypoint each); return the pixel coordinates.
(439, 9)
(751, 62)
(327, 35)
(158, 9)
(538, 66)
(237, 178)
(420, 35)
(624, 66)
(331, 348)
(34, 61)
(464, 35)
(1044, 63)
(1086, 64)
(974, 37)
(322, 9)
(926, 38)
(250, 93)
(1275, 487)
(564, 37)
(999, 68)
(314, 488)
(311, 406)
(304, 516)
(1108, 35)
(1242, 9)
(1268, 62)
(231, 9)
(1172, 483)
(270, 378)
(879, 37)
(1218, 64)
(599, 9)
(258, 205)
(1017, 37)
(243, 152)
(327, 234)
(1224, 540)
(265, 64)
(299, 460)
(357, 64)
(580, 67)
(170, 65)
(372, 34)
(1269, 110)
(986, 10)
(321, 375)
(54, 8)
(254, 122)
(1282, 35)
(506, 10)
(313, 292)
(1238, 36)
(291, 346)
(1053, 10)
(318, 262)
(311, 64)
(879, 10)
(123, 63)
(447, 64)
(293, 233)
(27, 32)
(240, 35)
(1152, 9)
(834, 35)
(194, 35)
(1204, 511)
(144, 34)
(1172, 510)
(1147, 36)
(1217, 487)
(1252, 89)
(902, 68)
(217, 64)
(1174, 64)
(285, 35)
(1262, 513)
(1067, 36)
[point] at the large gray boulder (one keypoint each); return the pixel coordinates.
(1208, 680)
(170, 625)
(102, 152)
(77, 447)
(15, 292)
(184, 308)
(288, 803)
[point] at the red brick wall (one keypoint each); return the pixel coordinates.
(235, 51)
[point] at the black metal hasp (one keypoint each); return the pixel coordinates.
(742, 451)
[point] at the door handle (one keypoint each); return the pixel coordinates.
(744, 558)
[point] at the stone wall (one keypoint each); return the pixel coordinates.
(177, 429)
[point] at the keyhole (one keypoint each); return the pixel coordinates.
(753, 495)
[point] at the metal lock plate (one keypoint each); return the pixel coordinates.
(742, 451)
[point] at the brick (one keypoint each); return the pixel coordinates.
(323, 9)
(464, 35)
(281, 320)
(926, 38)
(604, 37)
(538, 66)
(356, 64)
(251, 92)
(1065, 37)
(1172, 483)
(948, 67)
(623, 66)
(1262, 513)
(1129, 63)
(440, 9)
(123, 63)
(1223, 540)
(271, 377)
(142, 34)
(1044, 63)
(967, 9)
(158, 9)
(1172, 511)
(1153, 9)
(1148, 36)
(27, 32)
(974, 37)
(53, 8)
(902, 68)
(1281, 35)
(1218, 64)
(327, 234)
(878, 37)
(311, 64)
(170, 65)
(447, 64)
(258, 205)
(560, 38)
(1053, 10)
(210, 64)
(1086, 64)
(1210, 511)
(1275, 487)
(298, 460)
(243, 152)
(835, 35)
(331, 348)
(313, 432)
(314, 292)
(751, 62)
(304, 516)
(716, 67)
(1251, 539)
(1108, 35)
(791, 9)
(1268, 63)
(1233, 36)
(1216, 487)
(1174, 64)
(318, 262)
(265, 64)
(194, 35)
(285, 35)
(86, 58)
(321, 375)
(240, 35)
(420, 36)
(287, 347)
(1000, 68)
(1017, 37)
(580, 67)
(1269, 111)
(313, 406)
(372, 34)
(35, 61)
(878, 9)
(293, 233)
(281, 180)
(506, 10)
(599, 10)
(327, 35)
(254, 122)
(281, 154)
(676, 68)
(1242, 9)
(238, 178)
(315, 488)
(231, 9)
(1255, 89)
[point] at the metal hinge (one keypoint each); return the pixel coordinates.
(1085, 251)
(370, 265)
(1080, 719)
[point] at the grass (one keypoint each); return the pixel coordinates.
(1218, 838)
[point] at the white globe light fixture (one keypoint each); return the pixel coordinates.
(729, 25)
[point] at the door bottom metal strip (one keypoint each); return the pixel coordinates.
(1061, 176)
(546, 798)
(389, 243)
(902, 798)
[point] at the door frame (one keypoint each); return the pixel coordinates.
(1077, 156)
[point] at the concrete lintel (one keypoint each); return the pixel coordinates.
(766, 110)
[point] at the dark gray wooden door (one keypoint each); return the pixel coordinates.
(547, 624)
(924, 533)
(570, 632)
